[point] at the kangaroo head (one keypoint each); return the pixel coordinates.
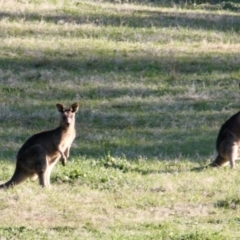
(67, 116)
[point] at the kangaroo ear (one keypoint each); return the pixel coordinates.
(60, 107)
(74, 107)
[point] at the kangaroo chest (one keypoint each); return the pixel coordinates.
(66, 139)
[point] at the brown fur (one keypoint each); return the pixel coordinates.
(228, 142)
(40, 153)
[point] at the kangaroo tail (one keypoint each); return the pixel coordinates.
(218, 162)
(18, 177)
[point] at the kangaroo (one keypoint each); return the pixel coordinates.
(39, 154)
(228, 142)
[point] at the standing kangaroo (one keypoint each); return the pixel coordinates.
(228, 142)
(40, 153)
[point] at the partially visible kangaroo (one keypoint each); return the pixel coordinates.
(40, 153)
(228, 142)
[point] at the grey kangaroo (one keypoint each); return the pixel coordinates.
(228, 142)
(39, 154)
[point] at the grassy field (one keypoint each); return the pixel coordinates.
(154, 84)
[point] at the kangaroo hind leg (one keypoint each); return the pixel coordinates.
(41, 165)
(37, 158)
(233, 154)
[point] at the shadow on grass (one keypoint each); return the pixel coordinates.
(137, 19)
(145, 65)
(159, 148)
(231, 203)
(148, 135)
